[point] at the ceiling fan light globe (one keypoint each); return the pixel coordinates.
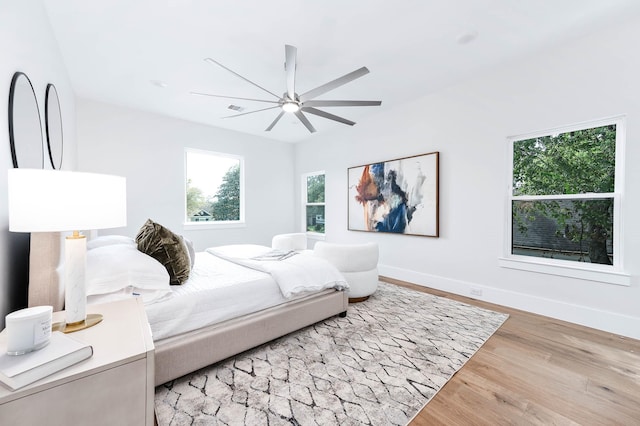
(290, 107)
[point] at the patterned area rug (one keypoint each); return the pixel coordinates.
(378, 366)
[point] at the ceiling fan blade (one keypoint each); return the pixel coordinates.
(290, 53)
(319, 103)
(334, 84)
(305, 121)
(273, 123)
(213, 61)
(251, 112)
(324, 114)
(233, 97)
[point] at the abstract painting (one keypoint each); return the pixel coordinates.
(398, 196)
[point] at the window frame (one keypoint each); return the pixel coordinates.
(611, 274)
(306, 203)
(213, 224)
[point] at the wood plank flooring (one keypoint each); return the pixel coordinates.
(540, 371)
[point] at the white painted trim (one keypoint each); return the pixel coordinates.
(612, 322)
(584, 272)
(618, 225)
(316, 236)
(192, 226)
(586, 196)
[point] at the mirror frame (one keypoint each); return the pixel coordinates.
(12, 130)
(51, 95)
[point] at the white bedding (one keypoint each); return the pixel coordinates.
(295, 273)
(217, 290)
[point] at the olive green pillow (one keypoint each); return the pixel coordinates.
(167, 248)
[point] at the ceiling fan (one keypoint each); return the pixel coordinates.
(291, 102)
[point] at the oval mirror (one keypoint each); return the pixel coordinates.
(53, 123)
(25, 132)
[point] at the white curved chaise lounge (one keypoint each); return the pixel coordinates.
(357, 262)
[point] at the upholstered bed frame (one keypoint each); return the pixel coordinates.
(180, 355)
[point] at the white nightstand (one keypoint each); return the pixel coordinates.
(113, 387)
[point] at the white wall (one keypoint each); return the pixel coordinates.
(591, 78)
(27, 44)
(148, 149)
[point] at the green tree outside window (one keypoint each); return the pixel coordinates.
(549, 219)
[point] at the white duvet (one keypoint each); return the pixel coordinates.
(217, 290)
(295, 273)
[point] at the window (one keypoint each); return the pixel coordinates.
(564, 198)
(213, 188)
(313, 196)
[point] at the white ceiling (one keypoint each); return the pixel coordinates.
(115, 49)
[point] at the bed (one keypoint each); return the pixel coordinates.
(186, 345)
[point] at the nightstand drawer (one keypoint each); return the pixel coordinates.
(112, 397)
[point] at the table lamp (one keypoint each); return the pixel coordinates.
(62, 201)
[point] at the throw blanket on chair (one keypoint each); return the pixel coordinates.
(295, 273)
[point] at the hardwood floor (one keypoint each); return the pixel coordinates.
(538, 370)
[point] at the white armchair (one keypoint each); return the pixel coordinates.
(357, 262)
(295, 241)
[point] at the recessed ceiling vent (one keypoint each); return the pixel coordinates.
(236, 108)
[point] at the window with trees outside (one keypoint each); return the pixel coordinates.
(565, 196)
(313, 188)
(213, 187)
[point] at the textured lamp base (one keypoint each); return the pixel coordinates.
(358, 299)
(90, 321)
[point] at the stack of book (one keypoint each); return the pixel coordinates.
(17, 371)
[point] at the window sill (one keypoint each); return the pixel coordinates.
(192, 226)
(315, 236)
(589, 274)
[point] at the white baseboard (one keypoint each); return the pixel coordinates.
(612, 322)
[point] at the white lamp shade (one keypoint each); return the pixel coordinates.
(55, 200)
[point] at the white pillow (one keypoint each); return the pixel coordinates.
(121, 268)
(109, 240)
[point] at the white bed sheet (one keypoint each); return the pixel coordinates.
(217, 290)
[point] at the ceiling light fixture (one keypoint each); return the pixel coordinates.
(290, 106)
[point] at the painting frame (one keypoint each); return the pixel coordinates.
(398, 196)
